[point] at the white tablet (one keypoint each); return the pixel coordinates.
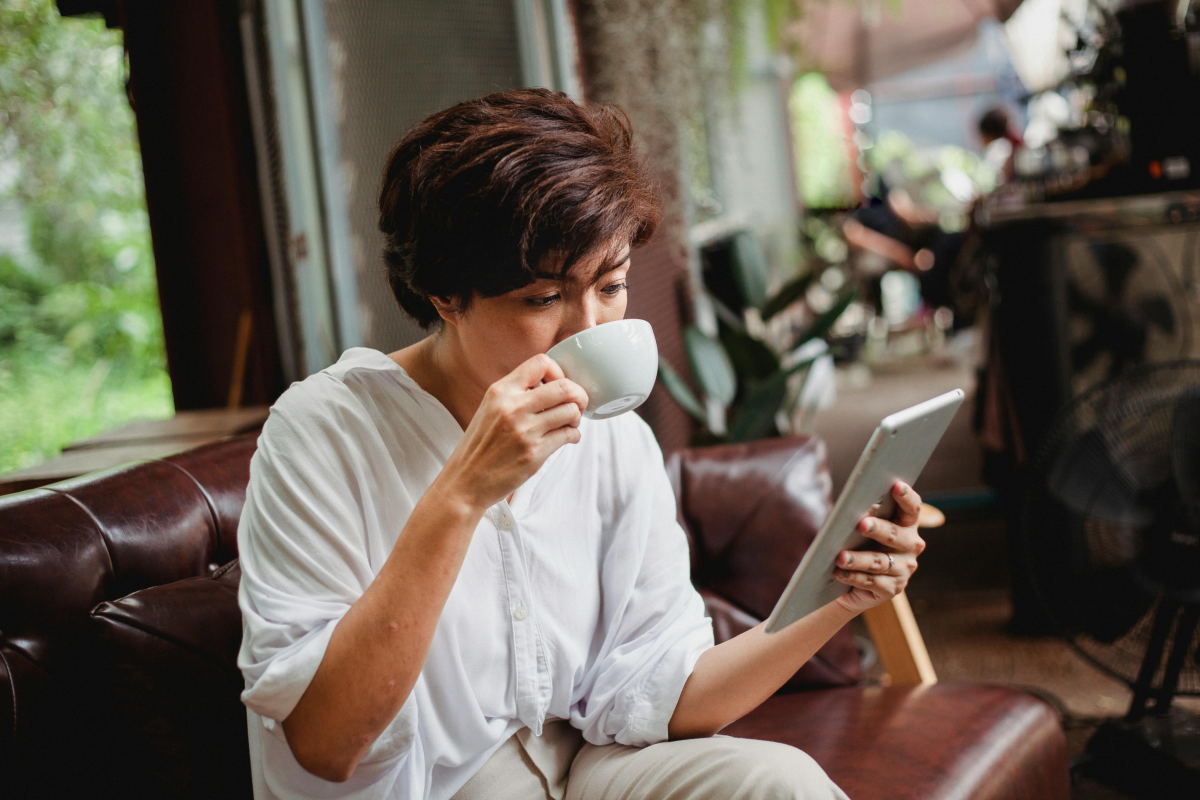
(898, 450)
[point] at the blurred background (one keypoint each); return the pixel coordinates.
(868, 202)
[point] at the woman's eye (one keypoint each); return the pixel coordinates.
(615, 288)
(542, 302)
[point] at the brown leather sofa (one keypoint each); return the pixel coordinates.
(119, 632)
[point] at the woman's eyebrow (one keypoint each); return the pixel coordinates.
(596, 276)
(600, 273)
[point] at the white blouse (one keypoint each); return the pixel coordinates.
(574, 601)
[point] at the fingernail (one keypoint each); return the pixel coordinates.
(849, 559)
(845, 574)
(903, 491)
(872, 528)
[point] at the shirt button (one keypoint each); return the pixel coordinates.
(520, 612)
(506, 522)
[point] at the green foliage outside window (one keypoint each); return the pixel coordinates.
(81, 343)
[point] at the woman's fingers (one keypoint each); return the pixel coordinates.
(864, 561)
(560, 436)
(556, 393)
(886, 585)
(879, 575)
(908, 504)
(876, 563)
(567, 414)
(891, 535)
(535, 370)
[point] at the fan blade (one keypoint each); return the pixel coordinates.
(1084, 353)
(1157, 309)
(1185, 446)
(1088, 480)
(1116, 261)
(1077, 300)
(1110, 602)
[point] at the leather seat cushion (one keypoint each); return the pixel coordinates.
(170, 653)
(168, 657)
(960, 740)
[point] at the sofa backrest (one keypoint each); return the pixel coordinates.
(66, 548)
(750, 512)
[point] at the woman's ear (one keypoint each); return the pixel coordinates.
(447, 308)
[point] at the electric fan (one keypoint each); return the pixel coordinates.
(1111, 529)
(1126, 307)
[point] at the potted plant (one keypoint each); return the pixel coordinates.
(745, 376)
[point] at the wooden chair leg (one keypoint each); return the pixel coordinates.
(901, 648)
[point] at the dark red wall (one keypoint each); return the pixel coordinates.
(658, 293)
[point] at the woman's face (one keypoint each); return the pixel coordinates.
(497, 334)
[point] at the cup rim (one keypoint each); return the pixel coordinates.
(588, 331)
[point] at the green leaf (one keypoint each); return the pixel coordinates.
(726, 315)
(756, 417)
(823, 323)
(751, 357)
(710, 364)
(789, 293)
(749, 268)
(679, 390)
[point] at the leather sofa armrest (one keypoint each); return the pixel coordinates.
(167, 661)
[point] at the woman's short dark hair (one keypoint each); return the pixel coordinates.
(491, 194)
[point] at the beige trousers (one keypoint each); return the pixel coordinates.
(559, 766)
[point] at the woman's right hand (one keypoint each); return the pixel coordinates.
(524, 417)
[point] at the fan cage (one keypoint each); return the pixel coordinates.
(1131, 648)
(1163, 266)
(1132, 410)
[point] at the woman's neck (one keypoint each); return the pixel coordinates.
(437, 365)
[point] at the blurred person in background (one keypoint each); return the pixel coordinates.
(907, 235)
(1000, 142)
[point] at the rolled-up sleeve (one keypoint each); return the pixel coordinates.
(304, 553)
(659, 628)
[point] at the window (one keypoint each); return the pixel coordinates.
(81, 342)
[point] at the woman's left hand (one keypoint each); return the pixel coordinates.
(876, 578)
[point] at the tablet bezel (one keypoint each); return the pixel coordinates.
(898, 450)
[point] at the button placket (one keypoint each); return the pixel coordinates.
(525, 634)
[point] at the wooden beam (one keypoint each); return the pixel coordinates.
(188, 85)
(898, 639)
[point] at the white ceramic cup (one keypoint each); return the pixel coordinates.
(616, 364)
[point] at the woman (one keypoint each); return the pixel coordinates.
(453, 585)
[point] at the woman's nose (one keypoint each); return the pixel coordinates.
(583, 315)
